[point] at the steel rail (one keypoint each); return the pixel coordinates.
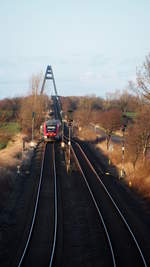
(97, 208)
(56, 212)
(35, 211)
(115, 205)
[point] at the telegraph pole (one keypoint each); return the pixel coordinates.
(32, 126)
(124, 125)
(123, 150)
(69, 147)
(70, 120)
(62, 141)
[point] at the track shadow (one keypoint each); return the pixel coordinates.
(98, 156)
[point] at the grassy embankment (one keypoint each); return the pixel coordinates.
(7, 131)
(138, 178)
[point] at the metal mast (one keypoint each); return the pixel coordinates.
(49, 76)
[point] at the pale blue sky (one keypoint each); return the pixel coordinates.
(94, 46)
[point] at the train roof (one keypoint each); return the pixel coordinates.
(53, 122)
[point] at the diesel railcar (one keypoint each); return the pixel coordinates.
(51, 130)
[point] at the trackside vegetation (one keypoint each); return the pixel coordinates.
(16, 114)
(126, 113)
(10, 128)
(7, 131)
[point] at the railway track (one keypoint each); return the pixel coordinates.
(90, 232)
(121, 241)
(40, 236)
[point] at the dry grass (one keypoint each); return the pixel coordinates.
(138, 178)
(11, 155)
(114, 155)
(141, 179)
(87, 134)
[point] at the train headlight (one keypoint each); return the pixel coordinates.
(62, 144)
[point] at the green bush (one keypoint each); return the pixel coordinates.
(10, 128)
(3, 145)
(7, 131)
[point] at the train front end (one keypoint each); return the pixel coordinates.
(51, 130)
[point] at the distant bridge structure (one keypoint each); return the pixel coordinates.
(50, 76)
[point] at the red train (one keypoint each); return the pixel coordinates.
(51, 130)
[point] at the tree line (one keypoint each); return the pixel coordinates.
(108, 113)
(24, 110)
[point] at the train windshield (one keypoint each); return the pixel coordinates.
(51, 128)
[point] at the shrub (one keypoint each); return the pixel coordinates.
(3, 145)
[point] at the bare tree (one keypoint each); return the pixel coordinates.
(138, 139)
(33, 105)
(9, 109)
(133, 145)
(111, 121)
(143, 78)
(84, 112)
(143, 123)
